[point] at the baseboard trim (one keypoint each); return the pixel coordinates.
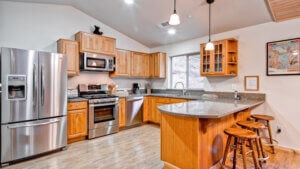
(291, 150)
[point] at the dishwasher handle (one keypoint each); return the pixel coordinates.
(135, 99)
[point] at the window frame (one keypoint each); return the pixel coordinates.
(187, 70)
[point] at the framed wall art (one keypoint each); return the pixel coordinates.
(283, 57)
(251, 83)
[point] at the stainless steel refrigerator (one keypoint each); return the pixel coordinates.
(33, 103)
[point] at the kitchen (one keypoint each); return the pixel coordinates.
(17, 31)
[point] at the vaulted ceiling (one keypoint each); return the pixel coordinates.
(142, 20)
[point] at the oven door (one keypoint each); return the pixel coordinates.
(104, 114)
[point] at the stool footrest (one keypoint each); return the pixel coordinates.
(266, 143)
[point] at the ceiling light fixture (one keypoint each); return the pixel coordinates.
(209, 45)
(128, 1)
(174, 18)
(171, 31)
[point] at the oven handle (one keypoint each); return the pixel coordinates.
(103, 104)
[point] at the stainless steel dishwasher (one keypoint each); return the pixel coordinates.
(134, 111)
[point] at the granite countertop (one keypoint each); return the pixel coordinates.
(76, 99)
(208, 108)
(193, 97)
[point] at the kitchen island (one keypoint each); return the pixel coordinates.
(192, 132)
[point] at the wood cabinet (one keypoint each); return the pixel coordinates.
(146, 108)
(77, 121)
(222, 61)
(96, 43)
(157, 65)
(153, 114)
(139, 64)
(175, 100)
(122, 112)
(70, 48)
(123, 63)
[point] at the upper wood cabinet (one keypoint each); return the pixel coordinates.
(222, 61)
(139, 64)
(70, 48)
(157, 65)
(123, 62)
(96, 43)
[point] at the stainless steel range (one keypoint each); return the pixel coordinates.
(103, 110)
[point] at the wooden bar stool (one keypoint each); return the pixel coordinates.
(256, 127)
(240, 136)
(266, 119)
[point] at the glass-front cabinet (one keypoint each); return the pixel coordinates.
(222, 61)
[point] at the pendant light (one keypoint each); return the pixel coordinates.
(209, 45)
(174, 18)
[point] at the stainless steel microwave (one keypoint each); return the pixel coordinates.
(97, 62)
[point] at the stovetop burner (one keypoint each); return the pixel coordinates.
(97, 96)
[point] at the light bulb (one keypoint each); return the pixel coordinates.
(209, 46)
(128, 1)
(174, 19)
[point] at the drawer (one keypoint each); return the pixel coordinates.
(77, 105)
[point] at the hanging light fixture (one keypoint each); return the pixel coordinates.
(174, 18)
(209, 45)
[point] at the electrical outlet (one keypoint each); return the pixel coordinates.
(278, 130)
(233, 87)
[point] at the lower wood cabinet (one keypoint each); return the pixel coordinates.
(77, 121)
(122, 112)
(151, 112)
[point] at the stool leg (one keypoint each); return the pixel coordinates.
(261, 146)
(234, 152)
(258, 150)
(226, 150)
(244, 154)
(253, 153)
(271, 138)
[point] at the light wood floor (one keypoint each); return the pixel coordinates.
(137, 148)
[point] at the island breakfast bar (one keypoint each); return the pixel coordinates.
(192, 134)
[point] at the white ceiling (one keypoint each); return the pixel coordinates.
(141, 20)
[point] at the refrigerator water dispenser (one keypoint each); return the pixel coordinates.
(16, 85)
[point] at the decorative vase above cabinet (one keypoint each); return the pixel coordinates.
(222, 61)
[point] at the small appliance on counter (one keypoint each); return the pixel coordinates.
(72, 93)
(136, 88)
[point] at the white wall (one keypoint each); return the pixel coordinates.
(282, 92)
(38, 27)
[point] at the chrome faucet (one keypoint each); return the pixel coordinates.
(183, 89)
(236, 96)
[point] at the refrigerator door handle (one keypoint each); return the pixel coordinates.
(42, 85)
(34, 88)
(32, 125)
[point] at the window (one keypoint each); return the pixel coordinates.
(186, 69)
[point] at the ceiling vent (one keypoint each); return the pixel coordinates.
(164, 24)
